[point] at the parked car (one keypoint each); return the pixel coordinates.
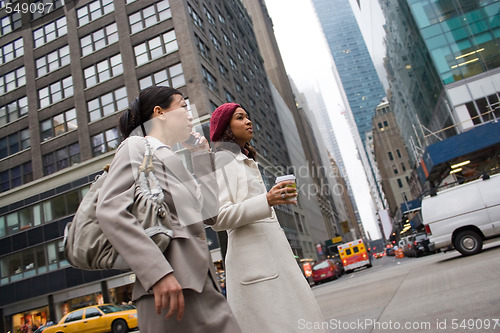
(390, 251)
(464, 216)
(422, 245)
(42, 328)
(326, 270)
(96, 319)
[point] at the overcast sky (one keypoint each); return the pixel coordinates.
(308, 61)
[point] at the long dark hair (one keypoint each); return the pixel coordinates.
(228, 142)
(141, 109)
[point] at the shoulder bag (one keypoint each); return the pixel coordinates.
(85, 245)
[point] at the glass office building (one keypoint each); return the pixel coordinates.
(359, 78)
(462, 36)
(443, 67)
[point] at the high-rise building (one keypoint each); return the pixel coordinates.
(392, 159)
(66, 73)
(356, 75)
(299, 143)
(354, 65)
(443, 62)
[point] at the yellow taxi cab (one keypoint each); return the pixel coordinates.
(96, 319)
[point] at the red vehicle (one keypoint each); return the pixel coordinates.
(326, 270)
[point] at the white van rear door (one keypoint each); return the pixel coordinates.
(490, 192)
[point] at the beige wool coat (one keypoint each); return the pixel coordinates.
(265, 286)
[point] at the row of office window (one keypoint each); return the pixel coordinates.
(16, 176)
(14, 143)
(66, 121)
(32, 261)
(43, 212)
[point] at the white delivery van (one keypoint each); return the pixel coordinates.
(462, 217)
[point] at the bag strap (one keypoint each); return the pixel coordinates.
(147, 181)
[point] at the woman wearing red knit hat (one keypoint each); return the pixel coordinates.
(265, 287)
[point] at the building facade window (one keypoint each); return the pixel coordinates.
(52, 61)
(47, 211)
(196, 18)
(155, 48)
(105, 141)
(229, 97)
(14, 143)
(210, 17)
(99, 39)
(107, 104)
(209, 80)
(48, 7)
(32, 261)
(55, 92)
(10, 23)
(149, 16)
(50, 32)
(93, 11)
(400, 183)
(172, 77)
(16, 176)
(12, 80)
(202, 48)
(234, 67)
(391, 157)
(11, 51)
(462, 40)
(58, 124)
(216, 42)
(61, 159)
(403, 167)
(103, 71)
(13, 111)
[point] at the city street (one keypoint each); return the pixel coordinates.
(444, 292)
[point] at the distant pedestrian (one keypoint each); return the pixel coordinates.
(265, 287)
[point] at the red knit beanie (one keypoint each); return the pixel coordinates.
(220, 120)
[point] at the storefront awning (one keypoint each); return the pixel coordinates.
(436, 156)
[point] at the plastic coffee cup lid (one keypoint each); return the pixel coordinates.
(285, 177)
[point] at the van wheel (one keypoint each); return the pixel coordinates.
(468, 242)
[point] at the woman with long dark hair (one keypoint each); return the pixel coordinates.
(180, 282)
(264, 285)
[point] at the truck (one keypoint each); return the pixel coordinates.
(464, 216)
(354, 255)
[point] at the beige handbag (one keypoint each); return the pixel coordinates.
(85, 245)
